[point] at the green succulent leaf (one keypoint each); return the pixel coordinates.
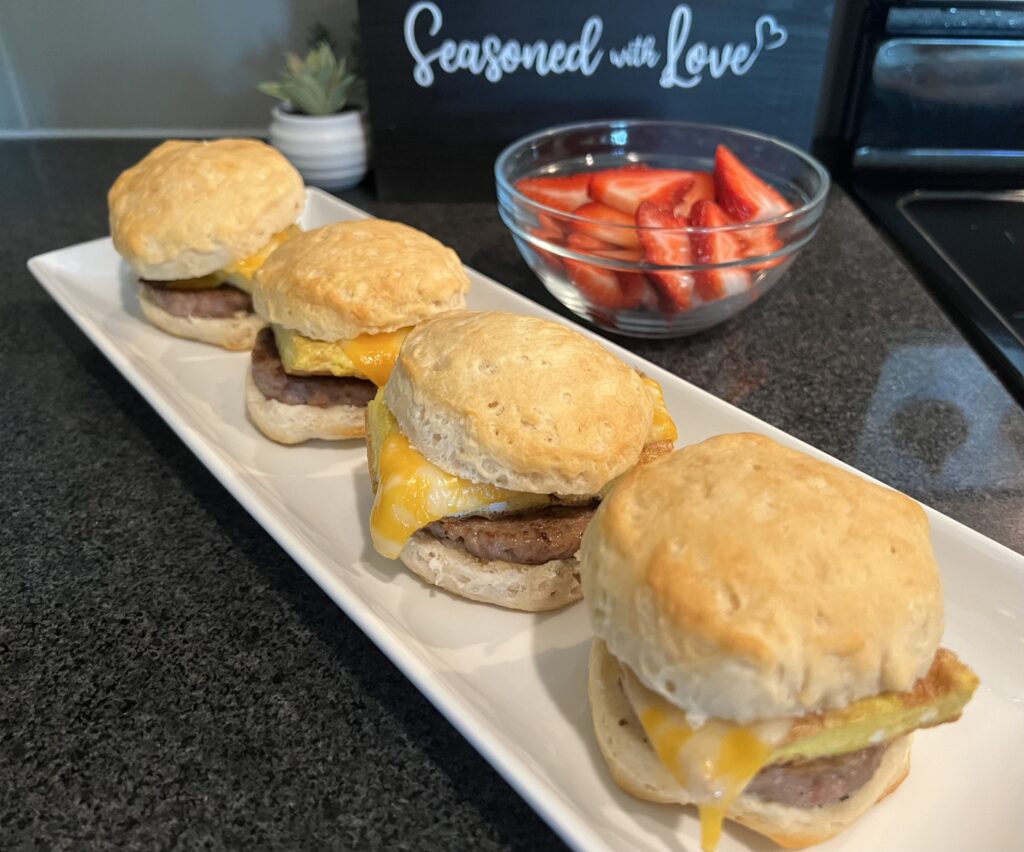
(320, 84)
(275, 90)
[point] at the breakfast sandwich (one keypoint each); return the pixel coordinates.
(767, 637)
(339, 300)
(490, 447)
(195, 220)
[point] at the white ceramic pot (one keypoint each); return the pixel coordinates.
(329, 150)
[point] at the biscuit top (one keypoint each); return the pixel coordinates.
(746, 580)
(190, 208)
(360, 277)
(519, 402)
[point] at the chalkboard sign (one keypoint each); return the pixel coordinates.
(451, 82)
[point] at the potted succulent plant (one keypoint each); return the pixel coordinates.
(317, 126)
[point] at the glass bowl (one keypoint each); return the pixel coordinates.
(540, 231)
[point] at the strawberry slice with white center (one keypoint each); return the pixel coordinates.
(586, 244)
(603, 287)
(667, 249)
(606, 224)
(625, 189)
(743, 195)
(561, 192)
(746, 198)
(717, 247)
(702, 189)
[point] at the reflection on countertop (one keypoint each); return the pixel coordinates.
(938, 423)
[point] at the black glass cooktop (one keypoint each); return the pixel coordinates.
(981, 236)
(968, 246)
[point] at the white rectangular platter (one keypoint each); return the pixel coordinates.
(514, 684)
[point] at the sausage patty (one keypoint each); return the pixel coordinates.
(530, 538)
(215, 303)
(812, 783)
(274, 383)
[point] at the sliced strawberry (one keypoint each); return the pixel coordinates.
(757, 242)
(601, 286)
(603, 224)
(667, 249)
(742, 194)
(547, 233)
(601, 317)
(552, 260)
(637, 290)
(586, 244)
(702, 189)
(626, 188)
(563, 193)
(717, 247)
(745, 197)
(554, 228)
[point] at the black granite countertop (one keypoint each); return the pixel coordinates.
(168, 677)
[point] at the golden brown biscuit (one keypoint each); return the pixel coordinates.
(190, 208)
(746, 580)
(519, 402)
(363, 277)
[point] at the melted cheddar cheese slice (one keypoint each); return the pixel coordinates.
(369, 356)
(239, 273)
(713, 762)
(411, 492)
(663, 427)
(374, 355)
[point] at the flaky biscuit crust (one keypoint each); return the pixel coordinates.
(743, 579)
(528, 588)
(190, 208)
(361, 277)
(520, 402)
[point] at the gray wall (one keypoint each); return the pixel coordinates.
(129, 66)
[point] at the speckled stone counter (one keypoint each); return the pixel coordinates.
(169, 678)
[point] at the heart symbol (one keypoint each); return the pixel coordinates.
(772, 33)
